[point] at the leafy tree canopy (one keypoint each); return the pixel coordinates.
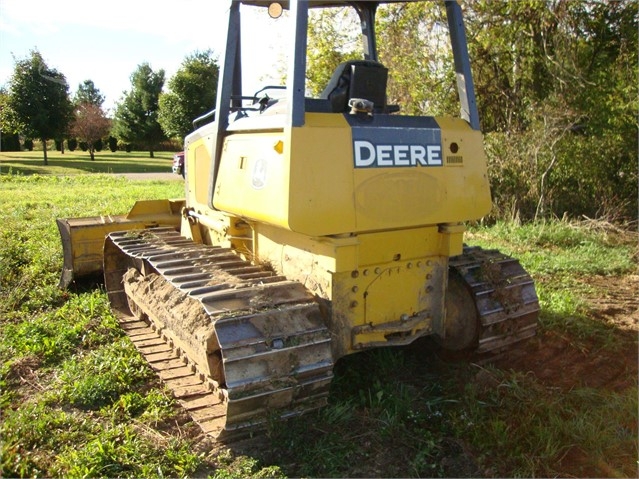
(9, 127)
(136, 116)
(8, 121)
(192, 92)
(557, 92)
(88, 93)
(39, 100)
(90, 125)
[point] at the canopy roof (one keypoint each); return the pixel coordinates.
(319, 3)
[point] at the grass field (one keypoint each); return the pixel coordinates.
(77, 400)
(77, 162)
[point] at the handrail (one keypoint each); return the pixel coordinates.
(206, 116)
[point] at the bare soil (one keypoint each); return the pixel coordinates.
(559, 360)
(565, 362)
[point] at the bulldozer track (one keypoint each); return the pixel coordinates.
(264, 349)
(504, 295)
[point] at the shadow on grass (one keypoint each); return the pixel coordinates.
(401, 412)
(11, 169)
(27, 163)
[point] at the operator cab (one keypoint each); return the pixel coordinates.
(356, 86)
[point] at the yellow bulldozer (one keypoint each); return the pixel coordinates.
(311, 229)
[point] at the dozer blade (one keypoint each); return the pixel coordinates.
(235, 343)
(83, 238)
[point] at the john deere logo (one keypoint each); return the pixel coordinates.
(258, 178)
(368, 154)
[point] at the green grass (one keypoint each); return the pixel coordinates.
(561, 257)
(78, 162)
(74, 391)
(103, 376)
(560, 248)
(78, 401)
(537, 426)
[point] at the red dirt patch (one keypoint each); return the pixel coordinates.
(559, 360)
(615, 301)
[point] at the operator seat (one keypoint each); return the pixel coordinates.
(357, 79)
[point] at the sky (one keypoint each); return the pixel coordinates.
(105, 40)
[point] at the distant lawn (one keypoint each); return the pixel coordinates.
(79, 162)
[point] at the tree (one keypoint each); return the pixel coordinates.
(88, 93)
(113, 143)
(90, 125)
(332, 40)
(192, 92)
(136, 116)
(39, 98)
(557, 93)
(414, 45)
(9, 126)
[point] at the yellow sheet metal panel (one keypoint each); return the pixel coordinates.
(451, 239)
(300, 179)
(321, 189)
(253, 179)
(406, 179)
(463, 150)
(388, 246)
(82, 243)
(357, 174)
(158, 211)
(340, 174)
(202, 168)
(83, 238)
(198, 169)
(389, 303)
(300, 256)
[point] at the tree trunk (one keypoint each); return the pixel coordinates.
(44, 149)
(151, 154)
(91, 152)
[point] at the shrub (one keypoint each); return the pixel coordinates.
(113, 144)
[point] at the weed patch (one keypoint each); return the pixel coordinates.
(230, 466)
(120, 452)
(556, 247)
(148, 406)
(98, 378)
(503, 424)
(33, 434)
